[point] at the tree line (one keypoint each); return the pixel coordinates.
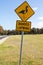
(14, 32)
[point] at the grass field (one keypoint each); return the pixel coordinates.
(32, 53)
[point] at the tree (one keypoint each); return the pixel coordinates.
(41, 31)
(1, 30)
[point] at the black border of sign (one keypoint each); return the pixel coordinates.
(29, 6)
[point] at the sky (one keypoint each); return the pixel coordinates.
(8, 16)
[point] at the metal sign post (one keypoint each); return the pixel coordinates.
(24, 11)
(20, 60)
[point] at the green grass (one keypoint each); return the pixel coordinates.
(32, 52)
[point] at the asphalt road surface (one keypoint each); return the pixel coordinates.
(3, 36)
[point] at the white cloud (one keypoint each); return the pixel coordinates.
(38, 25)
(35, 8)
(40, 18)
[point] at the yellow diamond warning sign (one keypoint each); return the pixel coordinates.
(23, 26)
(24, 11)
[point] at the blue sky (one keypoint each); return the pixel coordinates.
(8, 17)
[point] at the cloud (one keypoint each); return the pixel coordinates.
(40, 18)
(38, 25)
(35, 8)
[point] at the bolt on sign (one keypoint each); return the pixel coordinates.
(23, 26)
(24, 11)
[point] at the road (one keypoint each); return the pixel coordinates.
(3, 38)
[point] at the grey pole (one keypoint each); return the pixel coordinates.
(20, 60)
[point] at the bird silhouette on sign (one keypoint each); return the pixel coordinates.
(24, 11)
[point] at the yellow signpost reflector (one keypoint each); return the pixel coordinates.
(23, 26)
(24, 11)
